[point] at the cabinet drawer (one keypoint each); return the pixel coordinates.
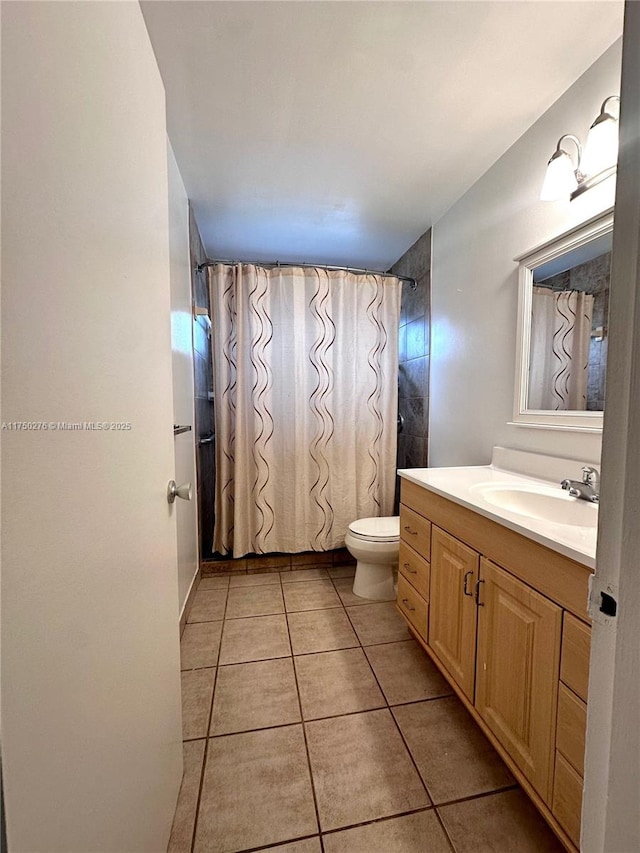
(572, 725)
(567, 798)
(415, 569)
(415, 531)
(413, 606)
(576, 647)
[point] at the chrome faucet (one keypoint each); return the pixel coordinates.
(588, 489)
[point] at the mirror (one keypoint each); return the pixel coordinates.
(563, 329)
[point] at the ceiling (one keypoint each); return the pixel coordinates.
(338, 132)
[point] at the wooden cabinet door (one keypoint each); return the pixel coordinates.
(517, 671)
(452, 614)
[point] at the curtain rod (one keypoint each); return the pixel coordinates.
(412, 282)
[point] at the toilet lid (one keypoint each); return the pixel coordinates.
(382, 529)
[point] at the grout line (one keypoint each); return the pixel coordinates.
(325, 651)
(480, 796)
(395, 722)
(445, 830)
(278, 844)
(380, 819)
(306, 744)
(254, 615)
(205, 755)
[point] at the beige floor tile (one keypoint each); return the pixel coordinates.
(264, 579)
(378, 623)
(310, 595)
(405, 672)
(501, 823)
(185, 815)
(197, 689)
(254, 696)
(199, 644)
(332, 683)
(321, 631)
(309, 845)
(414, 833)
(342, 571)
(314, 574)
(348, 596)
(254, 601)
(361, 769)
(256, 638)
(214, 582)
(208, 605)
(453, 756)
(256, 791)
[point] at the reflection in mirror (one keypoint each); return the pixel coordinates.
(563, 305)
(569, 309)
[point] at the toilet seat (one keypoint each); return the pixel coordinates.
(385, 529)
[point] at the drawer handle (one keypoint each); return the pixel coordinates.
(478, 602)
(405, 601)
(409, 530)
(465, 588)
(409, 569)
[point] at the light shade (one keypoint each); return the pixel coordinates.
(560, 180)
(601, 150)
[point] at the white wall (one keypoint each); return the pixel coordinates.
(475, 284)
(183, 390)
(91, 730)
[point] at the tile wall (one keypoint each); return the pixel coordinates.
(204, 425)
(414, 348)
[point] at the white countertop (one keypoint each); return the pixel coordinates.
(465, 485)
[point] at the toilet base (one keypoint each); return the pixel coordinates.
(374, 581)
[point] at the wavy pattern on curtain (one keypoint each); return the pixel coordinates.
(560, 336)
(305, 379)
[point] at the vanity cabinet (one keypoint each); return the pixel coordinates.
(414, 570)
(519, 634)
(506, 623)
(453, 610)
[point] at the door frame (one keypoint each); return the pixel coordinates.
(609, 816)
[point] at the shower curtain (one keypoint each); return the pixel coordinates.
(305, 387)
(560, 337)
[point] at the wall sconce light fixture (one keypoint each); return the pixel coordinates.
(565, 176)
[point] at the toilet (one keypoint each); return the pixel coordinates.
(375, 543)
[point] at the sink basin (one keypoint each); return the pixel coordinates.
(546, 503)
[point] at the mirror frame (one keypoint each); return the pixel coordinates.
(577, 421)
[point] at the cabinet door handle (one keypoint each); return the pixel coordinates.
(409, 569)
(465, 588)
(478, 602)
(409, 530)
(405, 601)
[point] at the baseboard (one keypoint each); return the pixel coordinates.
(188, 604)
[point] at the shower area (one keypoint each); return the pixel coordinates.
(300, 433)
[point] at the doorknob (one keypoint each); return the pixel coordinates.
(183, 491)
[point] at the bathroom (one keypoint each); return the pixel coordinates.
(105, 228)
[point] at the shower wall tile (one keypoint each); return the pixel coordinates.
(203, 380)
(402, 344)
(201, 341)
(413, 355)
(204, 409)
(415, 452)
(416, 336)
(413, 410)
(413, 378)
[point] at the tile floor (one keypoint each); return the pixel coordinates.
(312, 722)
